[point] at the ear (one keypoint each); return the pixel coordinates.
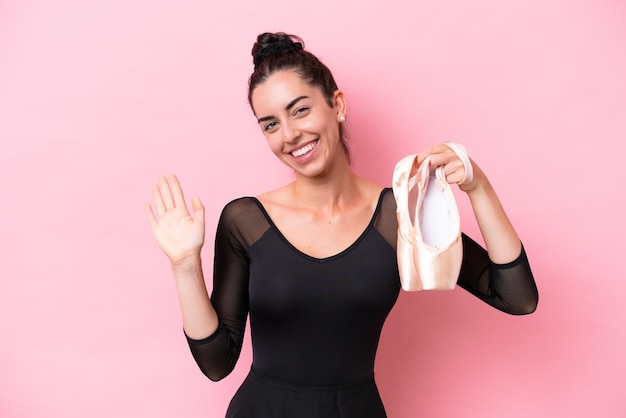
(339, 103)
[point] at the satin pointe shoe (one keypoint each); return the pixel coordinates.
(429, 248)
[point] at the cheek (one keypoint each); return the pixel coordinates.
(275, 144)
(332, 128)
(322, 123)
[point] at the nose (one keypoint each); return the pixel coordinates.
(290, 131)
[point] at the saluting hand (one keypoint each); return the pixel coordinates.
(179, 233)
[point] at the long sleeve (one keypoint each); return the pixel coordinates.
(508, 287)
(217, 354)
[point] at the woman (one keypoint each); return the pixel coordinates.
(314, 262)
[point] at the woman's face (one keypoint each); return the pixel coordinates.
(301, 129)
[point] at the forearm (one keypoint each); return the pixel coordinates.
(501, 239)
(199, 317)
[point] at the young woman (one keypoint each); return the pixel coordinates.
(314, 262)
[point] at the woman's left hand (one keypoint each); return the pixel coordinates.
(442, 155)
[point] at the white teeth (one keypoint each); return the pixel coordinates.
(306, 149)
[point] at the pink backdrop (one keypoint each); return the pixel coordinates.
(99, 98)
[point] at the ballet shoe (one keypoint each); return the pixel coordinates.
(429, 246)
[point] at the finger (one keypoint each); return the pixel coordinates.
(433, 151)
(424, 154)
(150, 215)
(442, 157)
(455, 171)
(198, 209)
(166, 194)
(177, 192)
(455, 177)
(158, 200)
(454, 166)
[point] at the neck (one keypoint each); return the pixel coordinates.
(328, 191)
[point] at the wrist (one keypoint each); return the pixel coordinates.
(188, 262)
(479, 186)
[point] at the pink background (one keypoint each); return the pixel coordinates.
(98, 99)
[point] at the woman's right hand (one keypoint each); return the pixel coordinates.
(179, 234)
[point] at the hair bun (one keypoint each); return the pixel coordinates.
(270, 44)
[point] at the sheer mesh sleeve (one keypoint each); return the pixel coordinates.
(241, 223)
(508, 287)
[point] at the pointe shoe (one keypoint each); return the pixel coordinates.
(429, 248)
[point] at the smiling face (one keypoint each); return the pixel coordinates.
(301, 129)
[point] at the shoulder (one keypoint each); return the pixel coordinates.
(243, 220)
(383, 196)
(371, 191)
(277, 197)
(240, 205)
(241, 209)
(387, 207)
(387, 199)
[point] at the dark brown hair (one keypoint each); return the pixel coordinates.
(273, 52)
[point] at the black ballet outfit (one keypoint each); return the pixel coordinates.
(315, 323)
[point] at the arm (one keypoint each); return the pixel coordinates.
(500, 276)
(217, 354)
(502, 242)
(508, 287)
(181, 237)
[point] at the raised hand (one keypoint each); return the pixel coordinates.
(179, 233)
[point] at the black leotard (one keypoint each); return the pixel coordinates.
(316, 322)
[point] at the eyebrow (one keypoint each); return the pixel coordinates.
(289, 106)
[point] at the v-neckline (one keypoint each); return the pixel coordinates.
(330, 257)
